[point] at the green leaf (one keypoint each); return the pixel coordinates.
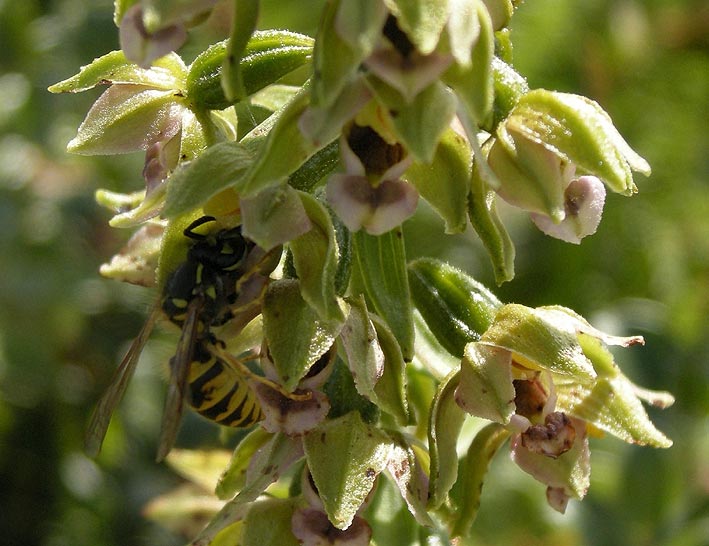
(217, 168)
(482, 211)
(268, 56)
(421, 20)
(473, 469)
(418, 124)
(391, 521)
(315, 260)
(473, 82)
(444, 424)
(456, 307)
(126, 118)
(269, 522)
(381, 264)
(579, 131)
(268, 464)
(148, 208)
(612, 405)
(274, 216)
(167, 73)
(463, 30)
(233, 477)
(541, 340)
(360, 24)
(486, 389)
(445, 182)
(243, 24)
(335, 62)
(407, 472)
(390, 390)
(296, 336)
(362, 351)
(344, 456)
(284, 150)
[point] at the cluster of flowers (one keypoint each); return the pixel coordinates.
(419, 100)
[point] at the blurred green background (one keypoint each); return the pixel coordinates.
(646, 271)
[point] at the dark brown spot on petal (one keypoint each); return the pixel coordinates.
(398, 37)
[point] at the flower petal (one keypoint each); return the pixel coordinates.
(584, 200)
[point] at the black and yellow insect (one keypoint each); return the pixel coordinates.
(198, 296)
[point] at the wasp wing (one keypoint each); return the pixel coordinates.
(101, 417)
(177, 387)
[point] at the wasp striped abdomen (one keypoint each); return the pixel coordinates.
(220, 393)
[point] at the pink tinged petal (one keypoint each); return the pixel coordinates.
(584, 200)
(310, 491)
(312, 528)
(569, 472)
(377, 210)
(557, 499)
(127, 118)
(292, 417)
(160, 159)
(143, 47)
(409, 75)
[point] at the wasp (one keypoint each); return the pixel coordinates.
(210, 288)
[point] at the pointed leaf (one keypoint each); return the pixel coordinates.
(390, 390)
(579, 131)
(473, 82)
(167, 73)
(127, 118)
(444, 426)
(482, 211)
(269, 522)
(409, 476)
(268, 464)
(486, 389)
(335, 62)
(381, 263)
(274, 216)
(612, 405)
(315, 260)
(296, 335)
(243, 24)
(473, 469)
(217, 168)
(540, 340)
(344, 456)
(362, 351)
(233, 476)
(445, 182)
